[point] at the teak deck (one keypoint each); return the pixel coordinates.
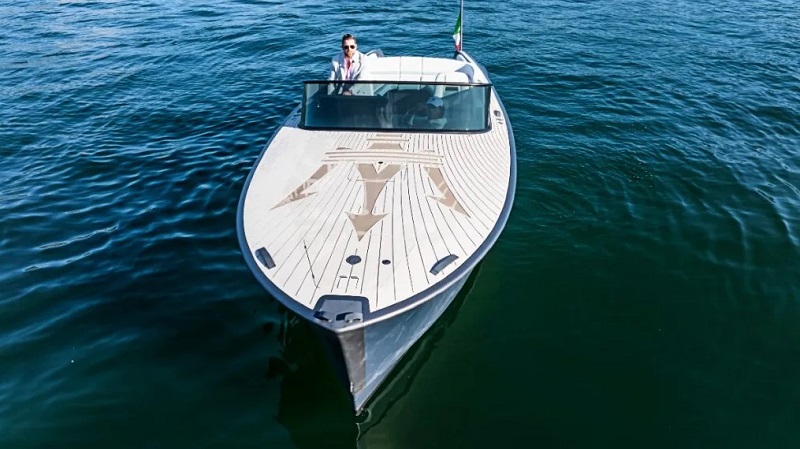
(398, 202)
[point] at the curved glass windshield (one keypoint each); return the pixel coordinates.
(402, 106)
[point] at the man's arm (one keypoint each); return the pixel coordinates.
(333, 88)
(334, 68)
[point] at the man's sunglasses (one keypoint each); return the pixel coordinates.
(345, 47)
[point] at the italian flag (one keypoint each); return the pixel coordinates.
(457, 30)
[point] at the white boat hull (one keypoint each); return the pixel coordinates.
(365, 356)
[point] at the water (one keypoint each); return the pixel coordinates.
(646, 292)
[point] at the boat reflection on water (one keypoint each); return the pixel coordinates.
(313, 406)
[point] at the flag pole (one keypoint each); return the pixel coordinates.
(458, 32)
(461, 14)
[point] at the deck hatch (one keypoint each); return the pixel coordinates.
(442, 263)
(265, 258)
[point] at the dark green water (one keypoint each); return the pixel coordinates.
(645, 293)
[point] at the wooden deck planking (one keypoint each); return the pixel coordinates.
(315, 238)
(475, 170)
(309, 216)
(320, 192)
(332, 225)
(270, 221)
(369, 269)
(415, 229)
(330, 255)
(450, 228)
(456, 219)
(416, 232)
(472, 175)
(395, 273)
(451, 239)
(437, 241)
(470, 197)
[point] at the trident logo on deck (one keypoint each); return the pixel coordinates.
(383, 158)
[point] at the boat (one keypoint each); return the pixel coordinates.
(373, 202)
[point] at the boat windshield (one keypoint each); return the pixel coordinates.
(401, 106)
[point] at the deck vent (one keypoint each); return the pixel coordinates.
(352, 260)
(497, 113)
(386, 261)
(442, 263)
(263, 256)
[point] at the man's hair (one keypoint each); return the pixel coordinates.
(349, 36)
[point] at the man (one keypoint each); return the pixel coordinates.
(347, 65)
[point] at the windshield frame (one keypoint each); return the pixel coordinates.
(487, 121)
